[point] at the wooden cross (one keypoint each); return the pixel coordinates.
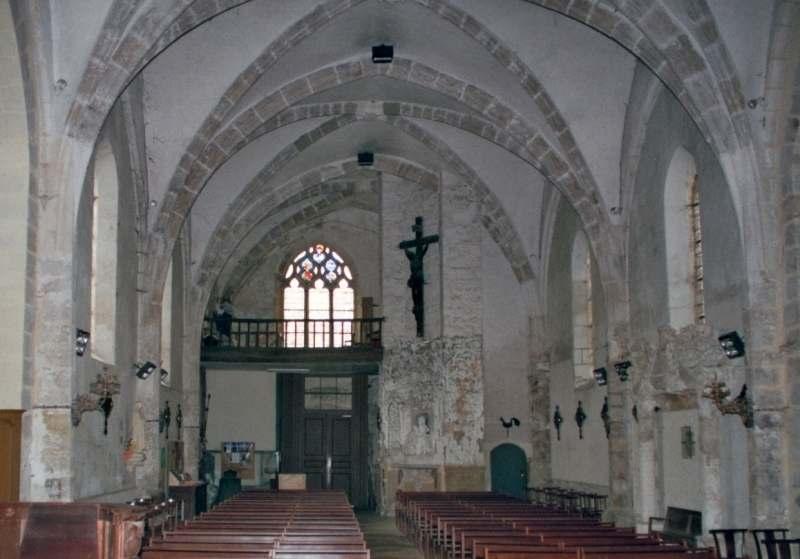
(416, 280)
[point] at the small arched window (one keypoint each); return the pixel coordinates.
(105, 193)
(684, 242)
(318, 299)
(582, 319)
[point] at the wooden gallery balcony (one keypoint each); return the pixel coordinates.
(276, 341)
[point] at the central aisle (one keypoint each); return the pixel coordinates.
(384, 540)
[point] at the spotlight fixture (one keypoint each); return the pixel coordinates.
(81, 341)
(144, 370)
(601, 376)
(622, 370)
(382, 54)
(732, 344)
(366, 159)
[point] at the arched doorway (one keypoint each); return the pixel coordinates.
(509, 470)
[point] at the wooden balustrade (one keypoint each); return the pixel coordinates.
(285, 334)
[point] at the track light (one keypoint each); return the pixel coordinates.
(366, 159)
(81, 341)
(601, 376)
(382, 54)
(732, 344)
(622, 370)
(144, 370)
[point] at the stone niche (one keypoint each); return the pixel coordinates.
(431, 405)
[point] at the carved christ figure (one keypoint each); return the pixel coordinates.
(415, 250)
(416, 280)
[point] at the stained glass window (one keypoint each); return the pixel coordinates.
(318, 299)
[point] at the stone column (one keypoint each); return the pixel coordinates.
(401, 202)
(462, 308)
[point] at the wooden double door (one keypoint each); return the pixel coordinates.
(323, 432)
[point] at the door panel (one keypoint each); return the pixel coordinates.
(314, 437)
(309, 437)
(509, 470)
(341, 437)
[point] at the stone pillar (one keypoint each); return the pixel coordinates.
(462, 308)
(401, 202)
(431, 391)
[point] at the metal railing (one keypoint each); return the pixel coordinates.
(272, 333)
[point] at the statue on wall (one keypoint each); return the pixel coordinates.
(134, 455)
(419, 441)
(416, 280)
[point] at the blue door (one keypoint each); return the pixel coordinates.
(509, 471)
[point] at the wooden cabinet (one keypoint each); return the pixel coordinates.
(70, 531)
(10, 436)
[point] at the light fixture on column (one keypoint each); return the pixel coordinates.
(622, 370)
(601, 376)
(82, 338)
(382, 54)
(144, 370)
(164, 377)
(366, 159)
(732, 344)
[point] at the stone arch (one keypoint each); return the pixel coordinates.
(271, 112)
(497, 222)
(280, 237)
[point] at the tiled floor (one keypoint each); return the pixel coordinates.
(384, 540)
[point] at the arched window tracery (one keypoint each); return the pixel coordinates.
(684, 242)
(318, 299)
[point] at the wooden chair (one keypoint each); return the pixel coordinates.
(783, 548)
(733, 540)
(768, 552)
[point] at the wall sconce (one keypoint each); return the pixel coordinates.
(100, 398)
(164, 377)
(601, 376)
(604, 415)
(622, 370)
(741, 405)
(557, 421)
(366, 159)
(382, 54)
(144, 370)
(580, 419)
(732, 344)
(81, 341)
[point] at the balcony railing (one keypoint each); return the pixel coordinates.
(272, 334)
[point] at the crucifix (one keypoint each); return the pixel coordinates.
(416, 281)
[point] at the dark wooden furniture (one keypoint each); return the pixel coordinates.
(682, 526)
(193, 496)
(732, 542)
(766, 551)
(257, 523)
(70, 531)
(782, 548)
(10, 436)
(483, 525)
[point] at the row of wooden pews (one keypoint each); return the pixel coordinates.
(262, 524)
(490, 526)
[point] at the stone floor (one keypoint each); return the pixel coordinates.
(384, 540)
